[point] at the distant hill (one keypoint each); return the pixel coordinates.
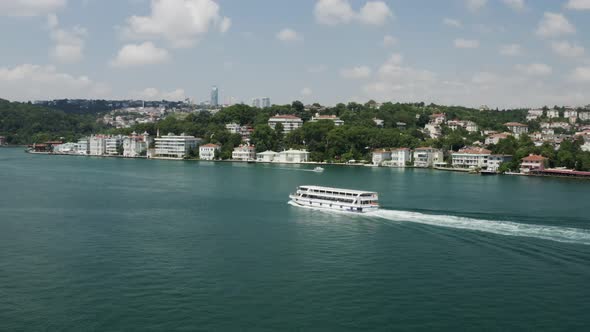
(25, 123)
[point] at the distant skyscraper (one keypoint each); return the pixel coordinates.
(265, 102)
(214, 96)
(256, 102)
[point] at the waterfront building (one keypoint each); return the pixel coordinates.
(495, 160)
(495, 138)
(517, 128)
(380, 156)
(289, 122)
(83, 146)
(553, 113)
(66, 148)
(97, 145)
(214, 96)
(265, 102)
(2, 140)
(172, 146)
(399, 157)
(113, 144)
(207, 151)
(136, 145)
(533, 163)
(244, 152)
(427, 157)
(267, 156)
(333, 118)
(293, 156)
(470, 157)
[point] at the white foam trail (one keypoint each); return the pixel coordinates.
(553, 233)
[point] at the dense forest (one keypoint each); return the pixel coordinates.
(24, 123)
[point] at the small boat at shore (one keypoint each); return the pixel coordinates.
(326, 198)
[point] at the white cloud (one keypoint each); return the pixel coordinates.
(306, 91)
(578, 4)
(375, 13)
(139, 55)
(389, 40)
(30, 82)
(452, 22)
(466, 43)
(155, 94)
(29, 7)
(180, 22)
(356, 72)
(581, 74)
(535, 69)
(69, 44)
(517, 5)
(567, 49)
(475, 5)
(554, 25)
(333, 12)
(511, 50)
(289, 35)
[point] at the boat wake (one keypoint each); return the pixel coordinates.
(509, 228)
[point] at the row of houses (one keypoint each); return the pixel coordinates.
(569, 113)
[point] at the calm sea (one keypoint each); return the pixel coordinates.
(93, 244)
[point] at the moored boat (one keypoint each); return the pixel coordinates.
(347, 200)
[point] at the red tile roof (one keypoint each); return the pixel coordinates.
(515, 124)
(286, 116)
(475, 151)
(210, 145)
(534, 157)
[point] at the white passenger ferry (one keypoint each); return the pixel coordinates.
(335, 199)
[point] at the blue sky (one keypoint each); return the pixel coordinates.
(501, 53)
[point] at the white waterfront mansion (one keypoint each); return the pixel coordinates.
(174, 147)
(207, 151)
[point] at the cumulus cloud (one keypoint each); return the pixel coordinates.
(289, 35)
(30, 82)
(511, 50)
(389, 40)
(180, 22)
(155, 94)
(306, 91)
(578, 4)
(29, 7)
(333, 12)
(535, 69)
(517, 5)
(140, 55)
(69, 43)
(466, 43)
(475, 5)
(452, 22)
(375, 13)
(356, 72)
(567, 49)
(554, 25)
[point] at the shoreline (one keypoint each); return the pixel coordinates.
(312, 163)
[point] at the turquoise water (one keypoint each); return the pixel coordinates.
(92, 244)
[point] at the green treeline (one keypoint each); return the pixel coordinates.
(24, 123)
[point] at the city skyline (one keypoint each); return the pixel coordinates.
(500, 53)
